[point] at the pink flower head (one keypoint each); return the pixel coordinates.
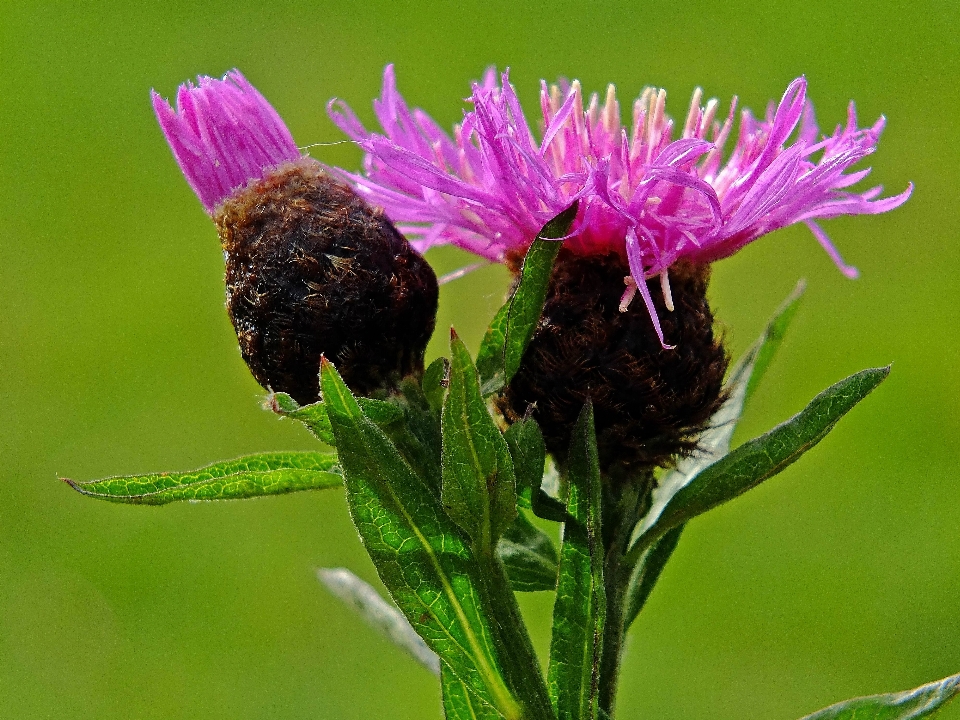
(643, 193)
(223, 134)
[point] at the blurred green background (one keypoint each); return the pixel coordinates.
(838, 578)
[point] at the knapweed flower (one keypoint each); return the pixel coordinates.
(311, 268)
(658, 203)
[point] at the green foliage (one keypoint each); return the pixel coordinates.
(924, 701)
(436, 379)
(490, 354)
(415, 432)
(422, 558)
(764, 456)
(250, 476)
(580, 608)
(713, 445)
(767, 345)
(529, 556)
(529, 456)
(459, 703)
(313, 416)
(648, 570)
(479, 490)
(514, 324)
(383, 413)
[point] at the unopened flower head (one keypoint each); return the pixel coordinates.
(653, 191)
(311, 268)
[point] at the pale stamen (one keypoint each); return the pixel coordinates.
(655, 122)
(611, 111)
(708, 116)
(693, 115)
(628, 294)
(578, 115)
(665, 287)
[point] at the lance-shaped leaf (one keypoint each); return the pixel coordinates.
(514, 324)
(648, 572)
(436, 380)
(576, 645)
(765, 348)
(714, 443)
(459, 703)
(924, 701)
(528, 451)
(422, 558)
(490, 354)
(246, 477)
(379, 614)
(313, 416)
(479, 489)
(764, 456)
(529, 556)
(416, 433)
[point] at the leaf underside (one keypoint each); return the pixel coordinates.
(479, 490)
(924, 701)
(379, 614)
(459, 703)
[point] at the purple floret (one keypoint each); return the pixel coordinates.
(223, 134)
(643, 193)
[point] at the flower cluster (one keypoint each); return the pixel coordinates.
(644, 193)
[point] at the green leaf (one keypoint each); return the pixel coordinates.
(251, 476)
(490, 354)
(514, 324)
(422, 558)
(313, 416)
(764, 349)
(529, 458)
(765, 456)
(382, 412)
(417, 436)
(379, 613)
(529, 454)
(459, 703)
(714, 443)
(436, 380)
(479, 489)
(648, 572)
(924, 701)
(529, 556)
(579, 611)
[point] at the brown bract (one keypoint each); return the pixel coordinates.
(649, 403)
(311, 270)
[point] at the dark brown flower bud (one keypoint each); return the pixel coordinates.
(311, 270)
(649, 403)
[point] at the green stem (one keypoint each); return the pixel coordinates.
(624, 503)
(521, 667)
